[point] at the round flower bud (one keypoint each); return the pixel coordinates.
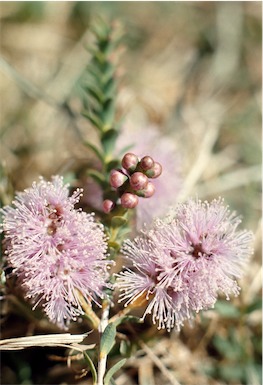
(117, 178)
(146, 162)
(107, 205)
(129, 201)
(138, 181)
(129, 161)
(157, 168)
(148, 191)
(155, 171)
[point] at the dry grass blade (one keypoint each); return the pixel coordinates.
(26, 85)
(230, 181)
(146, 373)
(65, 339)
(159, 364)
(201, 162)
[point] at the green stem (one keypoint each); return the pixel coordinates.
(103, 358)
(93, 318)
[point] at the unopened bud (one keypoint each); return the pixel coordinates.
(117, 178)
(157, 168)
(107, 205)
(146, 162)
(138, 181)
(129, 161)
(155, 171)
(148, 191)
(129, 201)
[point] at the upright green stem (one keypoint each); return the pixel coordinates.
(103, 358)
(100, 87)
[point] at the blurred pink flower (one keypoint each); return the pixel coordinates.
(55, 249)
(92, 195)
(150, 141)
(185, 261)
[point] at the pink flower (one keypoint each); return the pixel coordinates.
(54, 249)
(185, 261)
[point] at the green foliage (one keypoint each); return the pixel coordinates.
(255, 305)
(126, 348)
(107, 339)
(113, 370)
(108, 336)
(98, 177)
(100, 86)
(127, 318)
(118, 221)
(236, 345)
(227, 309)
(91, 366)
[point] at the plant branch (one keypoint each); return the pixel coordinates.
(103, 358)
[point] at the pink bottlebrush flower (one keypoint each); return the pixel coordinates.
(163, 149)
(54, 249)
(185, 261)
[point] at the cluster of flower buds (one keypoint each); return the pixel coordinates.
(132, 181)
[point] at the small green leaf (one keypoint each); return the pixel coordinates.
(108, 139)
(114, 163)
(100, 75)
(232, 372)
(109, 87)
(108, 111)
(104, 45)
(256, 305)
(118, 221)
(97, 176)
(69, 177)
(95, 92)
(101, 29)
(227, 347)
(99, 58)
(107, 72)
(92, 367)
(94, 73)
(95, 150)
(227, 309)
(113, 370)
(125, 318)
(93, 119)
(107, 340)
(125, 348)
(114, 245)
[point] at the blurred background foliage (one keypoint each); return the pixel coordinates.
(191, 69)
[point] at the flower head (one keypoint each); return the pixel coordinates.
(182, 264)
(162, 149)
(54, 249)
(132, 181)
